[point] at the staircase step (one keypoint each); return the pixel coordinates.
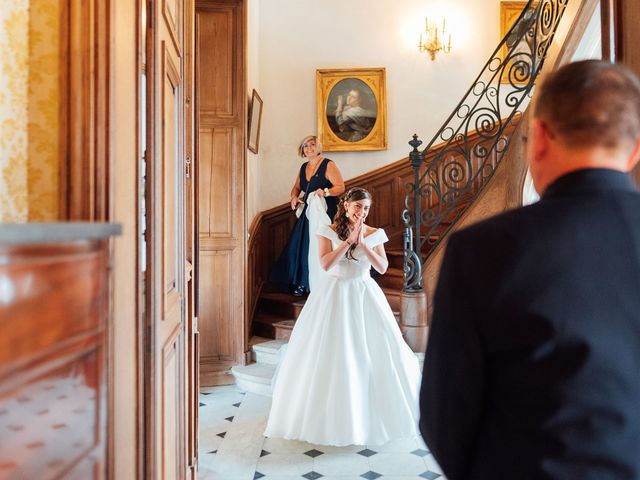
(254, 378)
(393, 279)
(263, 324)
(395, 257)
(284, 329)
(282, 304)
(267, 352)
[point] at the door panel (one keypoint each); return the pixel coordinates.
(167, 280)
(221, 94)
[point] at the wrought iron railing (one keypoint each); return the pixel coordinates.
(491, 107)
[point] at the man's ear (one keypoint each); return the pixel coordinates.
(541, 141)
(634, 157)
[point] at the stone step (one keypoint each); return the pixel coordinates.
(267, 352)
(257, 377)
(254, 378)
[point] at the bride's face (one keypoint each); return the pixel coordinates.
(357, 209)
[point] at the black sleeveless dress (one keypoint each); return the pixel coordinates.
(292, 267)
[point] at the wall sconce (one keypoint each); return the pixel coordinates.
(431, 40)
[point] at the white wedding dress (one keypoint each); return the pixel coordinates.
(347, 377)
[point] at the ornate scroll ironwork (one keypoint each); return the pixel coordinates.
(474, 137)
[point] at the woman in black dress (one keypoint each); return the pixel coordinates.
(319, 175)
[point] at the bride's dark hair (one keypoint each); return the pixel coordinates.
(342, 222)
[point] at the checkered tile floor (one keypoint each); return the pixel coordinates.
(232, 448)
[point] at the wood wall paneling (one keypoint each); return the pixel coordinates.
(218, 210)
(217, 38)
(218, 341)
(221, 113)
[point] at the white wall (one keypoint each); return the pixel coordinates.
(253, 81)
(296, 37)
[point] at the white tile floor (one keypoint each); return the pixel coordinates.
(232, 448)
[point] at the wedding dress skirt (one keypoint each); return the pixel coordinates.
(347, 377)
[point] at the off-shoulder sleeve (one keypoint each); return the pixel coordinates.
(327, 232)
(377, 238)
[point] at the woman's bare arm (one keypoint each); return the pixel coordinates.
(335, 177)
(377, 256)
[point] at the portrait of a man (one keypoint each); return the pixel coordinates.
(351, 109)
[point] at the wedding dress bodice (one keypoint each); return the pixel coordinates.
(349, 268)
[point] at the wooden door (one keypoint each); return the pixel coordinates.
(220, 112)
(166, 286)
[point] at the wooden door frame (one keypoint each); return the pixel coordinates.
(154, 267)
(84, 169)
(87, 172)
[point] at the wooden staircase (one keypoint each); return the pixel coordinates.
(276, 312)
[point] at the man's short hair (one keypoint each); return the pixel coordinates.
(591, 103)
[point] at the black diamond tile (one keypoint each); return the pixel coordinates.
(243, 393)
(312, 475)
(237, 405)
(221, 435)
(205, 393)
(367, 453)
(213, 451)
(429, 475)
(314, 453)
(264, 453)
(370, 475)
(203, 404)
(257, 475)
(229, 419)
(420, 452)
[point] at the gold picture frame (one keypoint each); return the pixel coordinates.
(352, 109)
(510, 10)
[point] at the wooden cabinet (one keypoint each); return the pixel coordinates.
(54, 392)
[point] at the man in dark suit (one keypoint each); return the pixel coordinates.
(532, 368)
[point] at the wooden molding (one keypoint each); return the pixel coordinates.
(84, 113)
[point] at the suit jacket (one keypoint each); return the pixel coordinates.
(532, 368)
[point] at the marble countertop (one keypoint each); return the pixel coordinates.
(32, 233)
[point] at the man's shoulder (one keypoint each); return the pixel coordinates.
(502, 227)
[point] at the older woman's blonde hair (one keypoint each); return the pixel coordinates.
(305, 140)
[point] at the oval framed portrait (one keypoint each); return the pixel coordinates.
(351, 109)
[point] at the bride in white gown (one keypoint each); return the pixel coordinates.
(347, 377)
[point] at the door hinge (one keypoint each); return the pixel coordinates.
(187, 167)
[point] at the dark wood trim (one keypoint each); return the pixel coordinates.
(254, 281)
